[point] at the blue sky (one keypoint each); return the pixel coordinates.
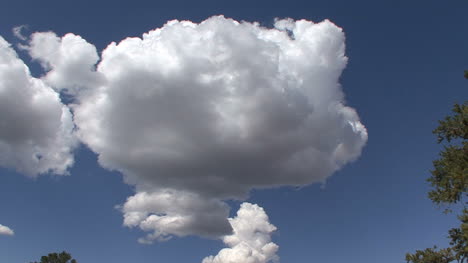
(404, 73)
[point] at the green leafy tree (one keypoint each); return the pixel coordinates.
(449, 180)
(431, 255)
(63, 257)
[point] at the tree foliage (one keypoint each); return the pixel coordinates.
(63, 257)
(450, 175)
(449, 181)
(431, 255)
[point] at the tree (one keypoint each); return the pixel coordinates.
(431, 255)
(63, 257)
(450, 186)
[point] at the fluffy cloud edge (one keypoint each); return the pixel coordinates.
(250, 240)
(37, 130)
(6, 231)
(166, 213)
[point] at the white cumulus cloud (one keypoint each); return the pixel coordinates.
(4, 230)
(251, 238)
(70, 60)
(196, 113)
(36, 129)
(178, 213)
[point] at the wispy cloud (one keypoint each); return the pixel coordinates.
(18, 32)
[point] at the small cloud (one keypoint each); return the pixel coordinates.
(167, 213)
(18, 32)
(251, 239)
(6, 231)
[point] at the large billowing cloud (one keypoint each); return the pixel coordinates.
(36, 129)
(193, 114)
(4, 230)
(251, 238)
